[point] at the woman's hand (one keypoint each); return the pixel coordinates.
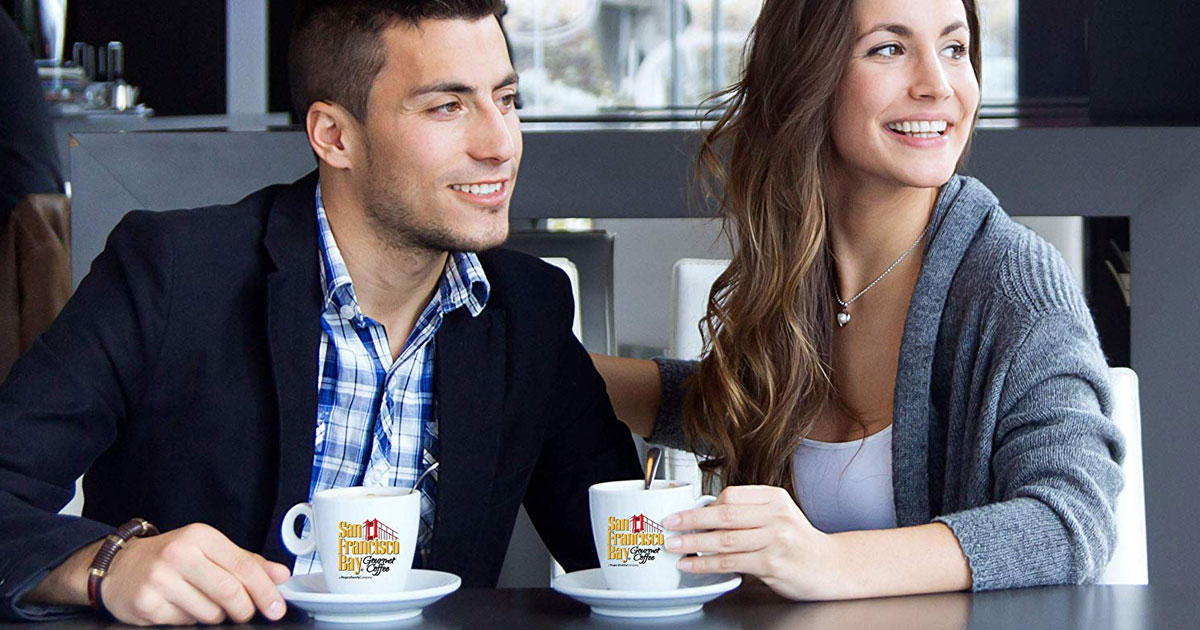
(759, 530)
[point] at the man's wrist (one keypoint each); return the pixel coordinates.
(66, 584)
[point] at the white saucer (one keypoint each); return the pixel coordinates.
(309, 593)
(589, 587)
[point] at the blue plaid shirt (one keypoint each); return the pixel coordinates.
(377, 418)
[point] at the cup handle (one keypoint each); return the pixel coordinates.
(287, 529)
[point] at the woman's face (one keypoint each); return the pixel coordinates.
(905, 106)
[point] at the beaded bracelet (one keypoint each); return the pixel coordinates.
(113, 543)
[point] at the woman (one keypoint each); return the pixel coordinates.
(887, 347)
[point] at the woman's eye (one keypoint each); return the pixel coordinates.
(887, 50)
(957, 51)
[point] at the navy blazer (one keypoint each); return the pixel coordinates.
(182, 378)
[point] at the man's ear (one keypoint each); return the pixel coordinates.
(334, 134)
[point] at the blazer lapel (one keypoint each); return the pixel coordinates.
(958, 214)
(293, 338)
(469, 376)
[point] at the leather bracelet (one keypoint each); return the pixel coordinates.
(113, 543)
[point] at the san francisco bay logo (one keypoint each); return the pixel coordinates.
(634, 540)
(366, 549)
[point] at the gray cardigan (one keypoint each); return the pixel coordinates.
(1001, 425)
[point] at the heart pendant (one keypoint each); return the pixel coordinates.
(843, 319)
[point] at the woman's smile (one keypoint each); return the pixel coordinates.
(921, 133)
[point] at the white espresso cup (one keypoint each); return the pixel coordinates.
(365, 537)
(627, 528)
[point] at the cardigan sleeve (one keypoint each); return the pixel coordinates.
(668, 426)
(1055, 464)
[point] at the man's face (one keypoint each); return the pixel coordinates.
(442, 137)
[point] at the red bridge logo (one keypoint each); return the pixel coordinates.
(374, 530)
(640, 523)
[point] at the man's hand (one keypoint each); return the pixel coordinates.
(193, 574)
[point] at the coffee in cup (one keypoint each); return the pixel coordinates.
(365, 537)
(630, 539)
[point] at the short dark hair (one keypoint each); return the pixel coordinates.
(336, 50)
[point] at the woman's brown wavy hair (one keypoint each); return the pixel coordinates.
(766, 376)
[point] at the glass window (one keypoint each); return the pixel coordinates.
(591, 57)
(999, 24)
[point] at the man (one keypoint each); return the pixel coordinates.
(35, 266)
(220, 365)
(28, 159)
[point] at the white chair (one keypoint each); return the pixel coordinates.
(691, 282)
(75, 506)
(526, 553)
(572, 272)
(690, 287)
(1128, 564)
(591, 253)
(525, 545)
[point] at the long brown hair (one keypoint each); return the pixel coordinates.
(766, 378)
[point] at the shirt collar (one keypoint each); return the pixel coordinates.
(463, 281)
(464, 284)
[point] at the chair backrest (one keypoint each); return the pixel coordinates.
(690, 288)
(572, 272)
(1129, 561)
(526, 560)
(691, 282)
(592, 254)
(527, 557)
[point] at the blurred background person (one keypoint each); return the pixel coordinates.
(28, 162)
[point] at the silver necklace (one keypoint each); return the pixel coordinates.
(843, 317)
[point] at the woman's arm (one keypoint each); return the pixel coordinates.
(1055, 467)
(904, 561)
(648, 395)
(759, 530)
(1056, 472)
(634, 388)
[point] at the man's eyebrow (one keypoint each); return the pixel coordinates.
(511, 79)
(454, 87)
(904, 31)
(451, 87)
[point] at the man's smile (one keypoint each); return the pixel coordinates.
(484, 193)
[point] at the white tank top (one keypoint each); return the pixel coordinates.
(845, 486)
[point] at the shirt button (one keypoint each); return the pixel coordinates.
(347, 312)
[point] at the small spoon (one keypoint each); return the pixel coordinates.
(653, 458)
(423, 476)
